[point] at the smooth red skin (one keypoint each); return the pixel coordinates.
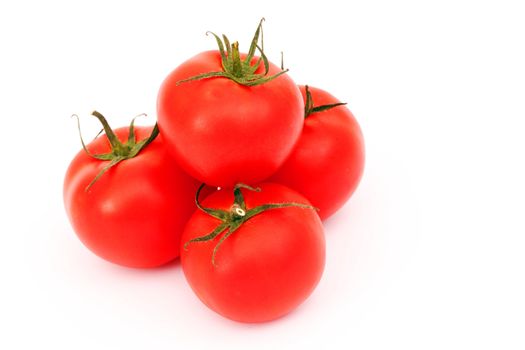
(135, 213)
(224, 133)
(263, 270)
(327, 162)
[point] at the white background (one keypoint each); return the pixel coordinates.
(428, 254)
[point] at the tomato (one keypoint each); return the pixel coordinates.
(134, 213)
(327, 163)
(235, 125)
(270, 263)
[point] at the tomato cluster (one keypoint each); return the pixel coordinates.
(277, 159)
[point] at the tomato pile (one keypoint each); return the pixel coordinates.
(235, 178)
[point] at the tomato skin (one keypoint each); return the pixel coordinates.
(266, 268)
(327, 162)
(224, 133)
(135, 213)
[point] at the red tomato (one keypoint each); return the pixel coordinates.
(327, 163)
(267, 267)
(223, 132)
(134, 214)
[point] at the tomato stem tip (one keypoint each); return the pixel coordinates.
(119, 151)
(234, 218)
(309, 107)
(241, 71)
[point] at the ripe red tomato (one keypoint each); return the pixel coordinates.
(268, 266)
(327, 163)
(134, 214)
(223, 132)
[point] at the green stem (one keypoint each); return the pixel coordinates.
(216, 213)
(119, 151)
(238, 215)
(309, 107)
(239, 70)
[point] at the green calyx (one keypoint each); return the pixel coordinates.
(119, 151)
(236, 69)
(309, 107)
(231, 220)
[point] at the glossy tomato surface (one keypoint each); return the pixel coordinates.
(135, 213)
(266, 268)
(224, 133)
(328, 161)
